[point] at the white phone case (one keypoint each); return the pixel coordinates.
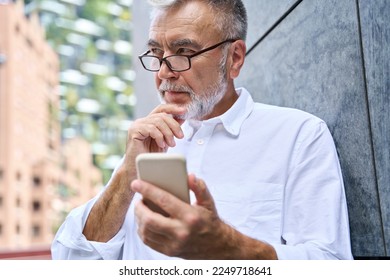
(167, 171)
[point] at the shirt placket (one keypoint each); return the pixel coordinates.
(198, 146)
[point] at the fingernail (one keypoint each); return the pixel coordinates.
(195, 179)
(180, 134)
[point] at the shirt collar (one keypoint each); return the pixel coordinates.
(231, 120)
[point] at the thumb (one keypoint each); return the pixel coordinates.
(202, 194)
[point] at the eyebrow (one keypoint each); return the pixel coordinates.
(176, 44)
(153, 43)
(185, 43)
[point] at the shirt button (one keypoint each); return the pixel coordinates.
(200, 141)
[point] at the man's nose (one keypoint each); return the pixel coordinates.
(165, 72)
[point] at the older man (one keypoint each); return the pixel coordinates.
(265, 180)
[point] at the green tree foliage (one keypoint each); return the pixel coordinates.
(114, 20)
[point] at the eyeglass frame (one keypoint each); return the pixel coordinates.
(165, 59)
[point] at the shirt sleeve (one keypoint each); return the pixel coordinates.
(315, 218)
(70, 243)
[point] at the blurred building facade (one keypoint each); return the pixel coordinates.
(80, 178)
(93, 41)
(32, 161)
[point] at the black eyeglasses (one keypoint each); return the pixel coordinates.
(176, 62)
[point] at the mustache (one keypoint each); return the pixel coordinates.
(168, 86)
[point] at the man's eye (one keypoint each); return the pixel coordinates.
(185, 51)
(156, 52)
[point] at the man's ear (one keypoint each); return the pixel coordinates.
(238, 50)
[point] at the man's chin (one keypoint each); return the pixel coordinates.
(186, 116)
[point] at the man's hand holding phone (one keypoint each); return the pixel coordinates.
(188, 231)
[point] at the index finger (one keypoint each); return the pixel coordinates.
(175, 111)
(172, 109)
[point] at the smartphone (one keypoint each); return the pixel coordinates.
(167, 171)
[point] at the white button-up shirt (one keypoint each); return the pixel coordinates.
(274, 175)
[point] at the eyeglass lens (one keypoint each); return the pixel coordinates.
(175, 63)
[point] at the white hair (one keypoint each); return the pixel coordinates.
(161, 3)
(230, 15)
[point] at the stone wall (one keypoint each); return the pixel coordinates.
(331, 58)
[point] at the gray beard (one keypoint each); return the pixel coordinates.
(201, 104)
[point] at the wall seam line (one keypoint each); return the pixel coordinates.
(370, 121)
(273, 26)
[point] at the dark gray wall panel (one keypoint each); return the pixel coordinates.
(312, 61)
(376, 45)
(262, 14)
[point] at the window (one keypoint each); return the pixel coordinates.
(29, 43)
(36, 206)
(77, 174)
(17, 202)
(36, 231)
(36, 181)
(18, 176)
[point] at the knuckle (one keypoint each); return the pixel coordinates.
(147, 221)
(174, 250)
(155, 134)
(192, 220)
(163, 201)
(182, 236)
